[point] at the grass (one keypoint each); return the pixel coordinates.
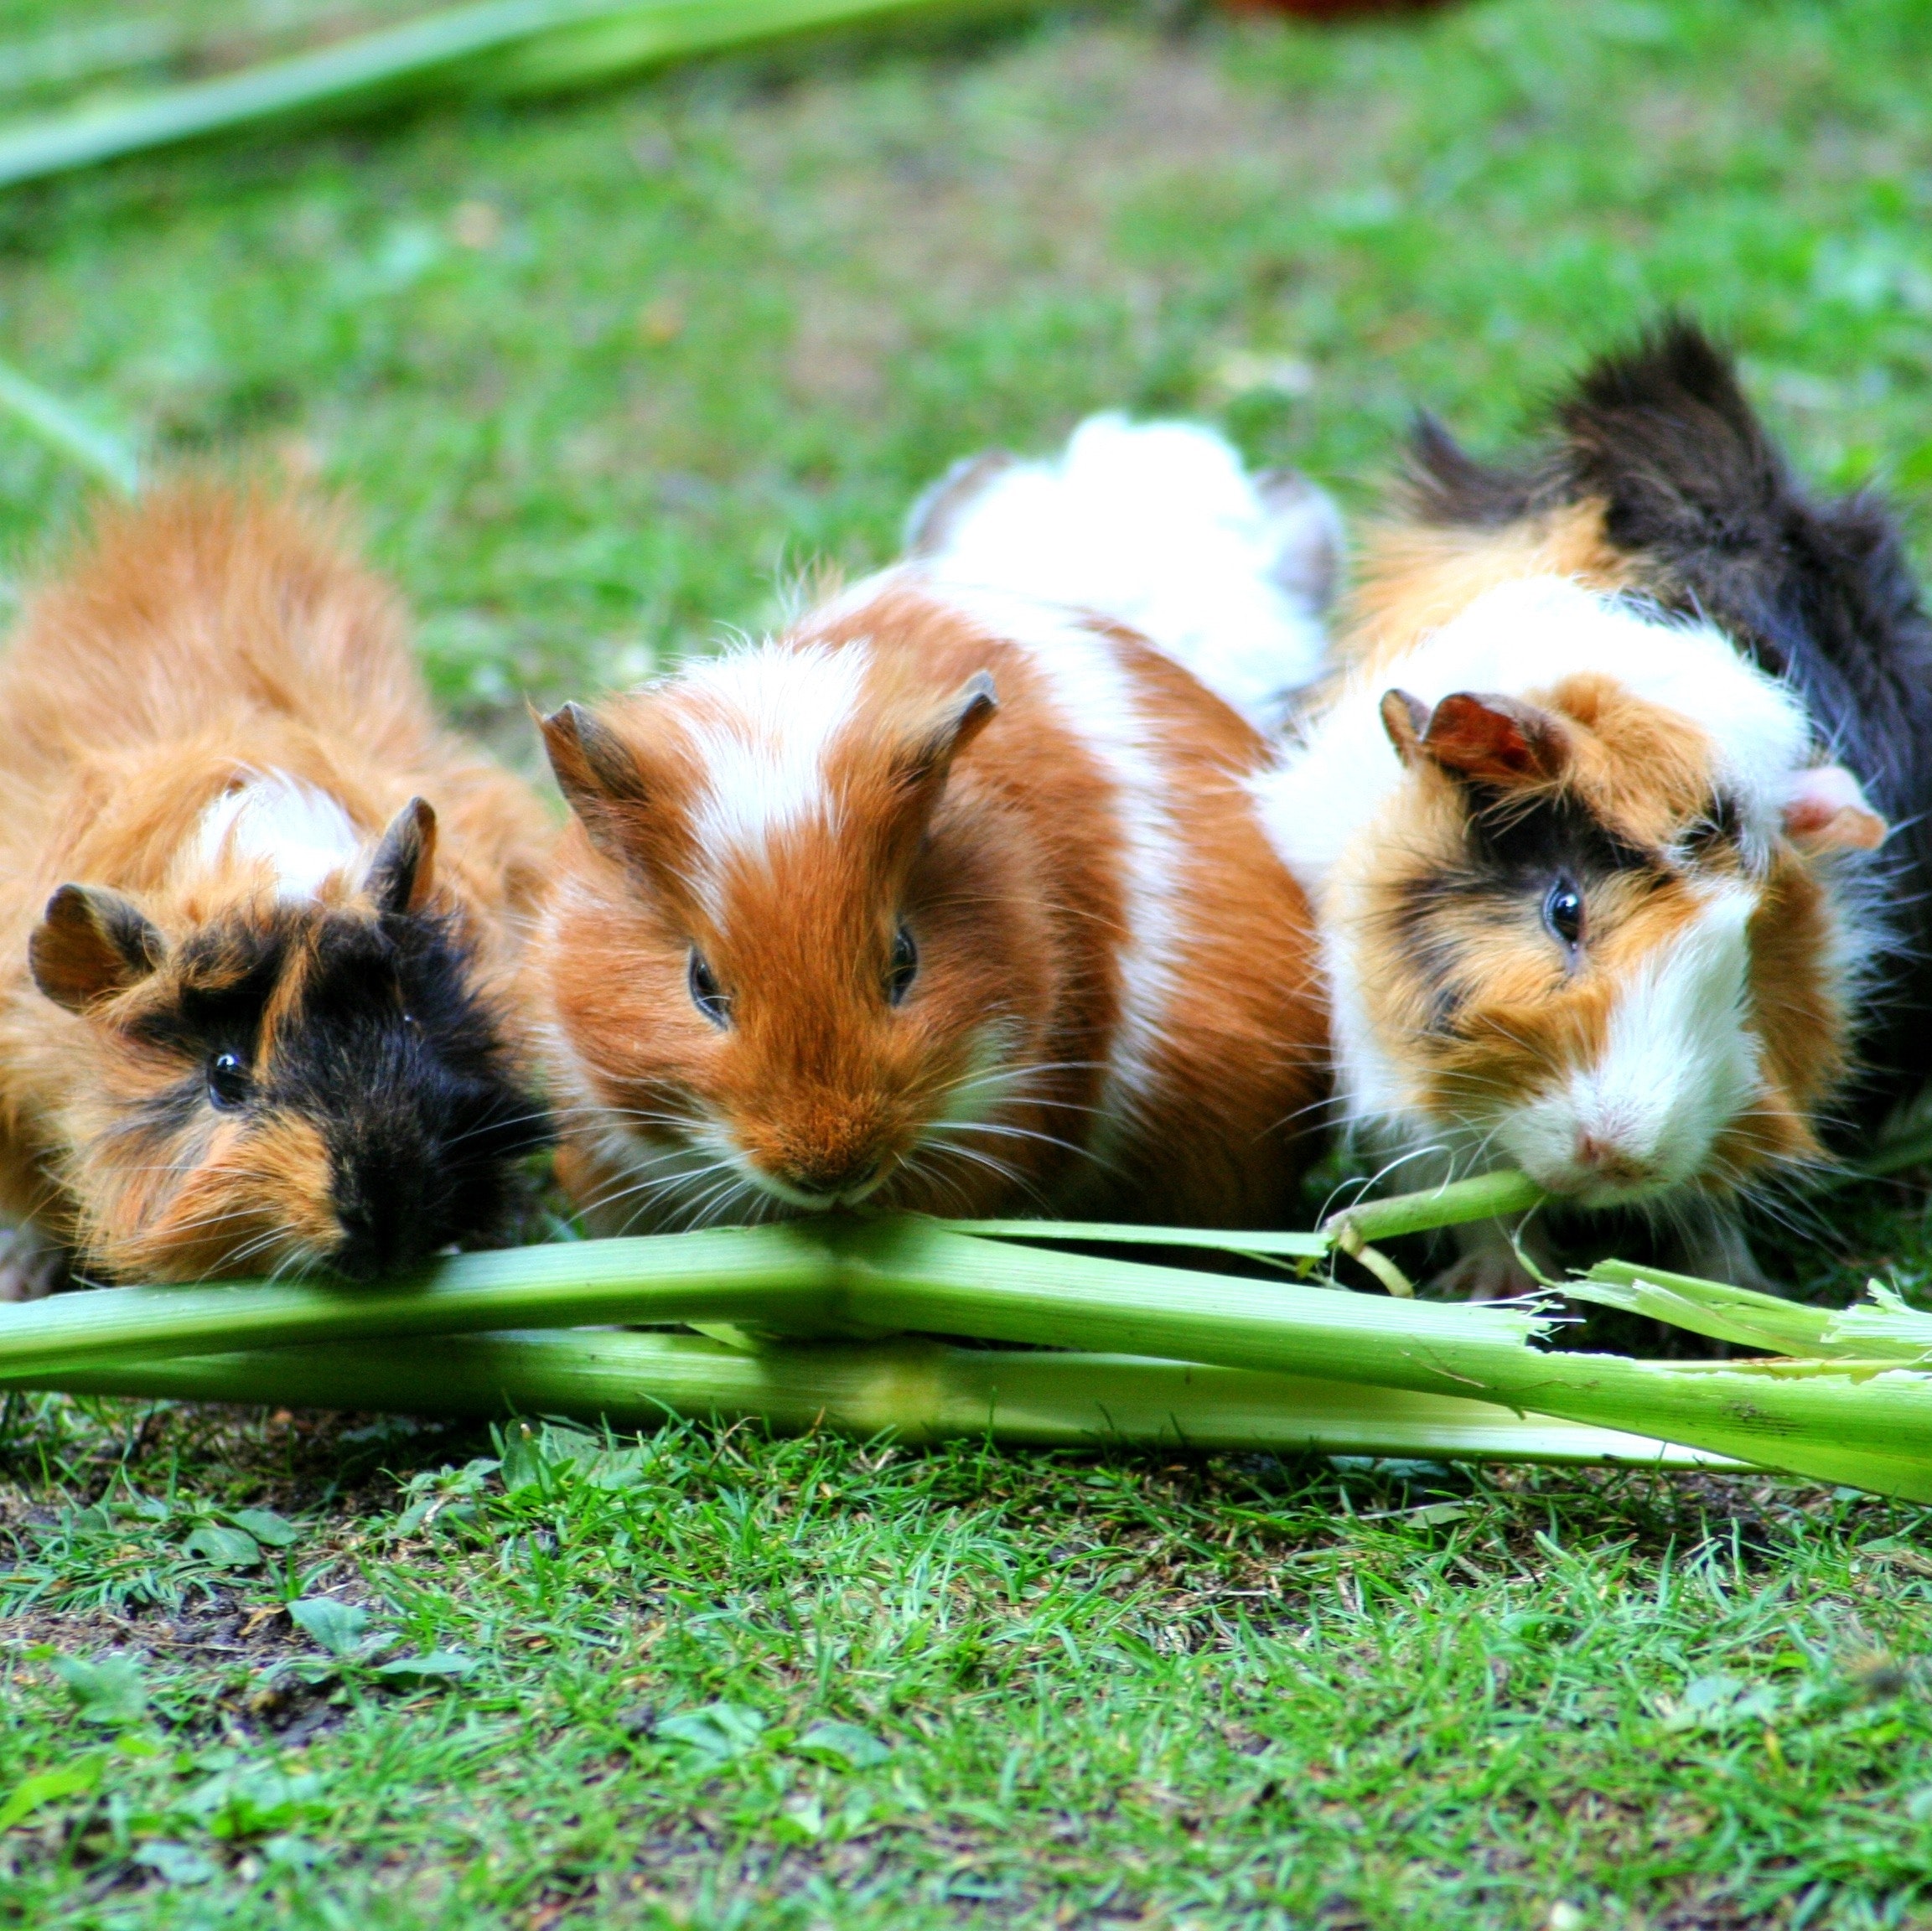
(604, 375)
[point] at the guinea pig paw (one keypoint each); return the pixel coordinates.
(31, 1266)
(1485, 1274)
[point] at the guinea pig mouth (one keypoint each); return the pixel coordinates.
(847, 1191)
(1592, 1167)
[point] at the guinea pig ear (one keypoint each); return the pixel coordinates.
(403, 869)
(930, 752)
(1826, 810)
(1405, 718)
(1493, 739)
(90, 944)
(596, 771)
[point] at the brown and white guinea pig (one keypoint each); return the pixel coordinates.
(258, 917)
(1581, 861)
(950, 899)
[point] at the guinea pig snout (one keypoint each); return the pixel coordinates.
(386, 1213)
(1674, 1063)
(833, 1161)
(1603, 1157)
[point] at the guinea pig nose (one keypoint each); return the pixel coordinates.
(1603, 1159)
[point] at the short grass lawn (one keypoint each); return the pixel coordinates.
(607, 374)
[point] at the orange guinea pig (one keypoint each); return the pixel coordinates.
(259, 916)
(948, 900)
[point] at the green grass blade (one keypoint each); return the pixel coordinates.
(345, 76)
(919, 1391)
(646, 35)
(500, 45)
(104, 457)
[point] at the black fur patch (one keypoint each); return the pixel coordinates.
(385, 1047)
(1516, 849)
(1817, 591)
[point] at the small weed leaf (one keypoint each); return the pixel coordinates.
(272, 1530)
(535, 1457)
(719, 1731)
(438, 1665)
(225, 1548)
(447, 1495)
(1716, 1702)
(525, 1465)
(176, 1863)
(339, 1627)
(843, 1745)
(108, 1691)
(253, 1801)
(70, 1779)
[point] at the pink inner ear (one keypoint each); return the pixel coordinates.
(1826, 810)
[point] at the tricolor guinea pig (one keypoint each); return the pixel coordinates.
(950, 899)
(259, 918)
(1586, 863)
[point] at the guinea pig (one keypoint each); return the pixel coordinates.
(947, 900)
(1159, 526)
(259, 918)
(1586, 872)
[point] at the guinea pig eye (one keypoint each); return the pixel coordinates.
(1563, 911)
(227, 1081)
(904, 967)
(704, 992)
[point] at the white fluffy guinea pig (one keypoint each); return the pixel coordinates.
(945, 900)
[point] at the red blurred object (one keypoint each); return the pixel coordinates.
(1326, 10)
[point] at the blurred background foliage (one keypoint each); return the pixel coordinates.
(605, 373)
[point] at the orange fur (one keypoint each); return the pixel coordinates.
(203, 640)
(1008, 867)
(1415, 577)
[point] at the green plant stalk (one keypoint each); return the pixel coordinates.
(1485, 1197)
(919, 1390)
(1119, 1234)
(104, 457)
(498, 42)
(1867, 1425)
(644, 35)
(758, 1276)
(1870, 1424)
(1882, 1328)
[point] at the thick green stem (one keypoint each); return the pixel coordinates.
(919, 1390)
(760, 1276)
(1842, 1422)
(1820, 1423)
(1486, 1196)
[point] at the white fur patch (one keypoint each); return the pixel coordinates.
(1158, 527)
(1520, 638)
(1678, 1064)
(1100, 708)
(762, 721)
(303, 833)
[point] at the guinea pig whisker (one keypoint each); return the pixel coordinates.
(1006, 1132)
(997, 1167)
